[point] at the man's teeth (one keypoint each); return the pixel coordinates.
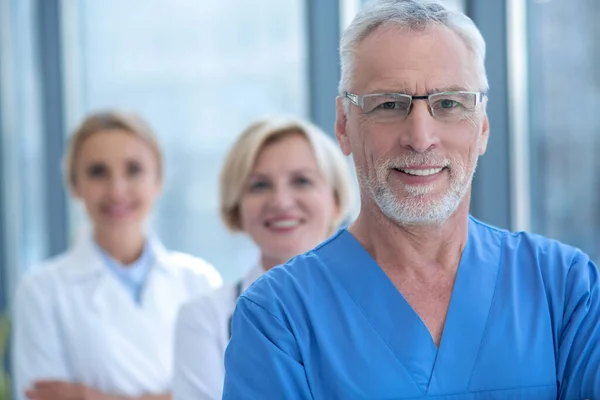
(285, 224)
(421, 172)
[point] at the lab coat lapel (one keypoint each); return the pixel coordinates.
(158, 295)
(130, 341)
(87, 272)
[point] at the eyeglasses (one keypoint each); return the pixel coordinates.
(444, 106)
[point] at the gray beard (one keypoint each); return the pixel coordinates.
(416, 209)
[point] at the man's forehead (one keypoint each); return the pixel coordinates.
(409, 82)
(403, 61)
(413, 88)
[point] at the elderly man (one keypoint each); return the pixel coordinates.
(417, 299)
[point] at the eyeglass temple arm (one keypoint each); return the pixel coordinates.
(352, 97)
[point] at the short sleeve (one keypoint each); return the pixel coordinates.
(578, 361)
(262, 360)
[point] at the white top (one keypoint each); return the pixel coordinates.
(201, 336)
(74, 321)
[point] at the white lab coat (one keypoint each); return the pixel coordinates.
(74, 321)
(202, 334)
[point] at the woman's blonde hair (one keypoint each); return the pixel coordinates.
(241, 159)
(103, 121)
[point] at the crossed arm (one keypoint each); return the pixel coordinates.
(62, 390)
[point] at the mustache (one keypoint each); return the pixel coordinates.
(417, 159)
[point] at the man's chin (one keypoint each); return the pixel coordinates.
(417, 211)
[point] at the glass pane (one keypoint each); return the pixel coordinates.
(199, 72)
(23, 185)
(564, 101)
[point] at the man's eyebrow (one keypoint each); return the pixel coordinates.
(450, 88)
(389, 90)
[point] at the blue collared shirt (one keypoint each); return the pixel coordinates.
(134, 275)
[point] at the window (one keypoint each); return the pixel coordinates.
(455, 4)
(199, 72)
(22, 182)
(564, 121)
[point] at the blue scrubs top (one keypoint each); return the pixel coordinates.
(523, 323)
(133, 276)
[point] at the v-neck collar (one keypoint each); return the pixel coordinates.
(433, 371)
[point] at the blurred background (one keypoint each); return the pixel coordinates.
(200, 70)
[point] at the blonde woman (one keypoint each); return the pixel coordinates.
(96, 323)
(286, 184)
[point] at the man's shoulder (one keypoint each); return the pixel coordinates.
(305, 266)
(192, 269)
(48, 273)
(300, 276)
(534, 247)
(515, 236)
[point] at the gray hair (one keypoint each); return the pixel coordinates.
(416, 15)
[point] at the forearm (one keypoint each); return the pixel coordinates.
(161, 397)
(155, 397)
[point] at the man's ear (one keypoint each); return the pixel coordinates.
(485, 135)
(341, 120)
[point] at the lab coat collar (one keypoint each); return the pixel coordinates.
(161, 254)
(87, 261)
(252, 275)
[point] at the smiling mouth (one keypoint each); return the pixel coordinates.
(118, 210)
(421, 172)
(284, 224)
